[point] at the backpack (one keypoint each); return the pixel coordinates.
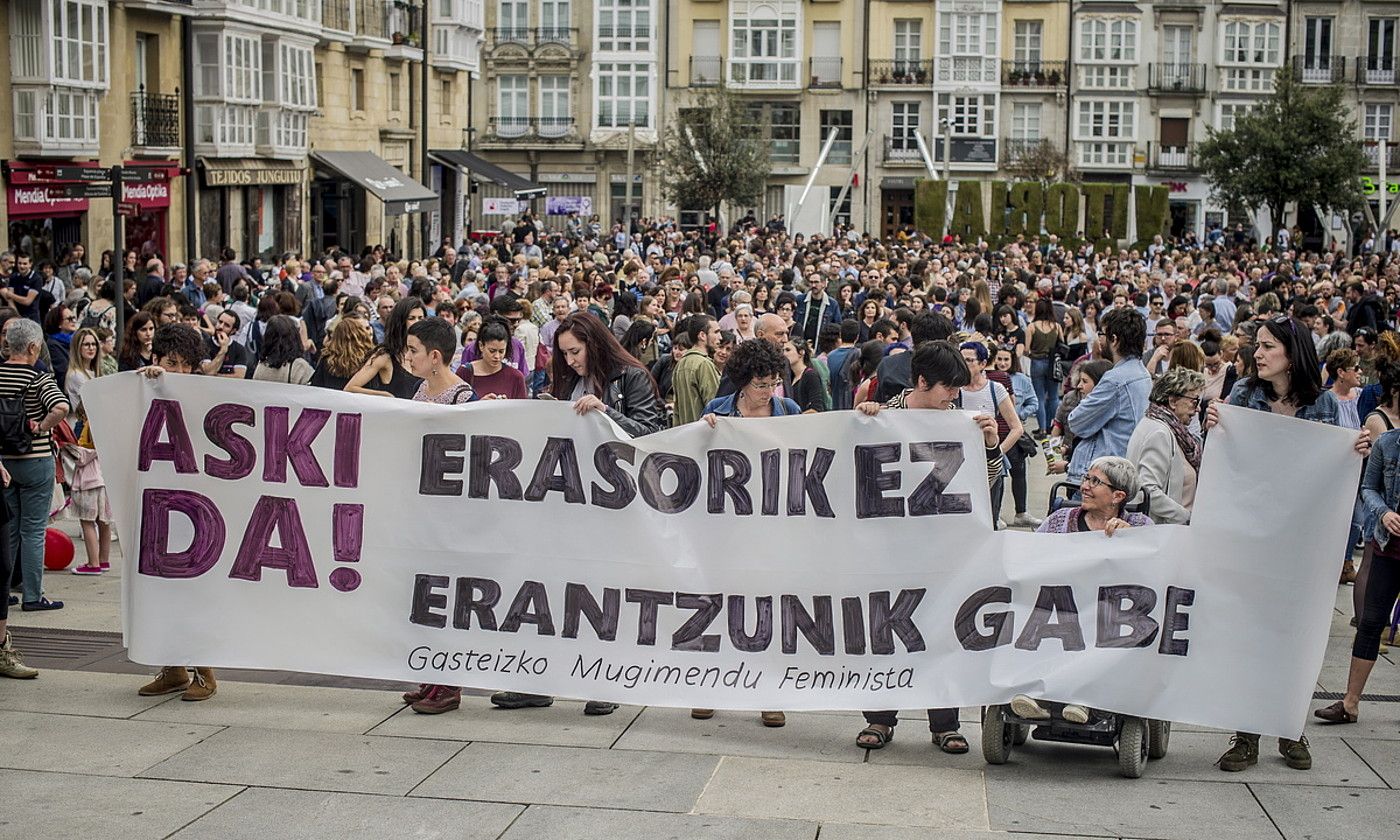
(15, 435)
(93, 319)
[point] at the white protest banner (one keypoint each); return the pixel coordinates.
(833, 561)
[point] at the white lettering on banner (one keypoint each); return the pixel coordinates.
(833, 561)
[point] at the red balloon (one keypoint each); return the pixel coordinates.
(58, 550)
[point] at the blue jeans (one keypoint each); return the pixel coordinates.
(1047, 391)
(28, 499)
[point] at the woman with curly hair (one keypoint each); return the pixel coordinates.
(345, 352)
(280, 356)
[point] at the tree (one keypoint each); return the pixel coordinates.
(1043, 163)
(714, 153)
(1297, 145)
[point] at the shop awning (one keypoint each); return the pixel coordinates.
(523, 188)
(400, 193)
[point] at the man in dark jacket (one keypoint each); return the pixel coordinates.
(1364, 309)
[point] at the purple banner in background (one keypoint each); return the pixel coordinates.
(563, 205)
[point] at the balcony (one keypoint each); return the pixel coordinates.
(531, 129)
(1372, 150)
(1180, 158)
(522, 35)
(968, 69)
(155, 120)
(706, 70)
(1040, 75)
(562, 36)
(902, 151)
(825, 73)
(1015, 148)
(1169, 79)
(1319, 69)
(901, 72)
(1376, 71)
(337, 16)
(53, 121)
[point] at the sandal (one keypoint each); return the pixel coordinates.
(1335, 713)
(880, 734)
(952, 743)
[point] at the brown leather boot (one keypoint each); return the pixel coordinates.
(170, 680)
(203, 687)
(441, 698)
(1348, 573)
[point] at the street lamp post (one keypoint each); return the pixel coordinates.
(424, 218)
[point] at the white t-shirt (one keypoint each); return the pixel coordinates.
(984, 401)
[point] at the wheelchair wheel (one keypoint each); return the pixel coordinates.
(1022, 733)
(1159, 733)
(997, 735)
(1132, 747)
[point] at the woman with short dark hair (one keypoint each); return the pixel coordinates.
(280, 356)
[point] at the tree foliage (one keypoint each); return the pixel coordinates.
(1297, 145)
(714, 154)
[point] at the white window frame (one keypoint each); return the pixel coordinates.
(1027, 119)
(1107, 40)
(624, 26)
(619, 84)
(905, 118)
(968, 115)
(1105, 130)
(1378, 121)
(1250, 53)
(555, 104)
(512, 104)
(908, 39)
(765, 38)
(1027, 40)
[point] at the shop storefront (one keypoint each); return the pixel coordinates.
(39, 224)
(148, 231)
(253, 205)
(499, 192)
(343, 185)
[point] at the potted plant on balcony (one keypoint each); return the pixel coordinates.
(920, 75)
(1013, 76)
(1054, 78)
(1038, 78)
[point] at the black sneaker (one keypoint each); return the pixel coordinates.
(41, 604)
(598, 707)
(520, 700)
(14, 602)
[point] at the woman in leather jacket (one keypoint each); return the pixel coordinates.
(591, 369)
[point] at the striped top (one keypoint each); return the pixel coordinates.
(38, 402)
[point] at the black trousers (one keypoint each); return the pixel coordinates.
(939, 720)
(1382, 588)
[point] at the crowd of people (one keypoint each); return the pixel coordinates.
(1105, 367)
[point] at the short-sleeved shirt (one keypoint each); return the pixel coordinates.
(41, 395)
(506, 382)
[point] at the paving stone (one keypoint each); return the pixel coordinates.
(809, 736)
(856, 793)
(563, 725)
(271, 706)
(310, 815)
(1331, 813)
(544, 821)
(99, 746)
(838, 831)
(62, 806)
(1149, 808)
(1382, 757)
(1190, 756)
(308, 760)
(913, 745)
(571, 776)
(80, 693)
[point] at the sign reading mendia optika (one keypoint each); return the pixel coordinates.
(1073, 212)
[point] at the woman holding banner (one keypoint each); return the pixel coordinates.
(590, 368)
(939, 373)
(1287, 380)
(384, 374)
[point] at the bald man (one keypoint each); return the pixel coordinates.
(771, 328)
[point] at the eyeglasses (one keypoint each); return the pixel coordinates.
(764, 386)
(1095, 481)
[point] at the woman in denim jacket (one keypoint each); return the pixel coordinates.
(1380, 491)
(1288, 381)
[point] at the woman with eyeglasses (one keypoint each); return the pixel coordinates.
(59, 325)
(1166, 451)
(1286, 380)
(1110, 483)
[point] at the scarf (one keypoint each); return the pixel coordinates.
(1190, 445)
(62, 337)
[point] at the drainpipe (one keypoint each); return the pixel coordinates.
(1069, 89)
(187, 115)
(865, 93)
(425, 218)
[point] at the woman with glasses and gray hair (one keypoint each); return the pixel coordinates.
(1109, 484)
(1167, 453)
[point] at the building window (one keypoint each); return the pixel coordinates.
(904, 123)
(1025, 122)
(968, 116)
(764, 46)
(79, 43)
(296, 80)
(967, 47)
(512, 105)
(841, 149)
(1250, 55)
(445, 92)
(241, 69)
(1376, 125)
(513, 20)
(624, 95)
(785, 132)
(908, 41)
(357, 89)
(1108, 40)
(624, 26)
(555, 116)
(1026, 44)
(840, 214)
(555, 19)
(1105, 130)
(395, 93)
(1229, 112)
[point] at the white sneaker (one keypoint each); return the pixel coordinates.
(1026, 708)
(1075, 713)
(11, 665)
(1025, 520)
